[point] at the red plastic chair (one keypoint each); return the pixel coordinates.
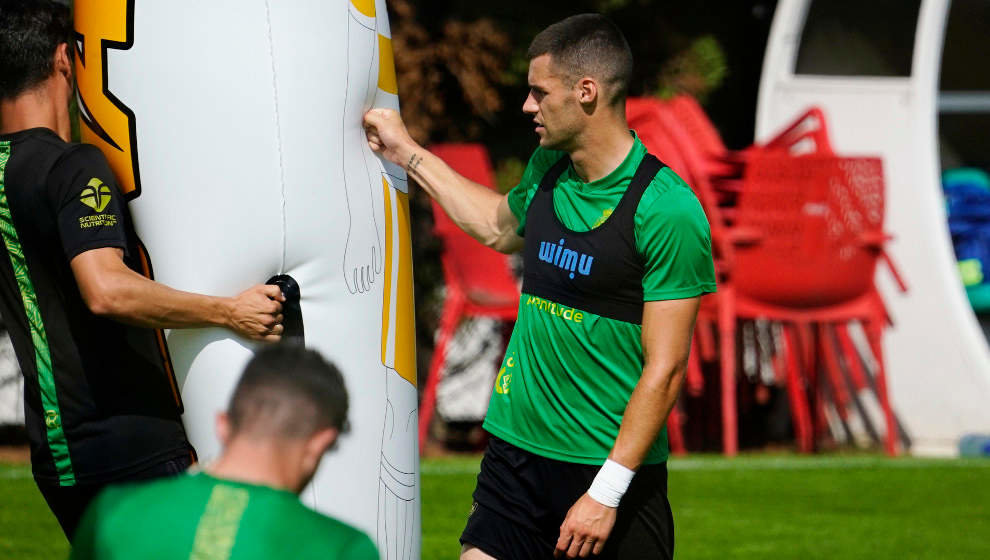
(809, 237)
(479, 280)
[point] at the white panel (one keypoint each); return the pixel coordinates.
(937, 359)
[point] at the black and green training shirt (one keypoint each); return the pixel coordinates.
(99, 398)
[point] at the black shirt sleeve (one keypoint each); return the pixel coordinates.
(88, 205)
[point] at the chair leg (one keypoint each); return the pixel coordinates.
(796, 392)
(727, 341)
(851, 355)
(674, 432)
(695, 379)
(809, 344)
(832, 370)
(448, 324)
(874, 332)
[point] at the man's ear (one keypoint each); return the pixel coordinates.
(318, 444)
(223, 428)
(63, 60)
(588, 93)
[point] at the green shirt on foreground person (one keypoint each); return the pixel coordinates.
(201, 517)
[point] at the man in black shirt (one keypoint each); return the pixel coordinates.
(101, 403)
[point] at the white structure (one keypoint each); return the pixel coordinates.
(938, 362)
(235, 127)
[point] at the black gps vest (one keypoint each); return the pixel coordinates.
(599, 270)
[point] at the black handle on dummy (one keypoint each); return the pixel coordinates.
(292, 319)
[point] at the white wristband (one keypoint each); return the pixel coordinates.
(611, 483)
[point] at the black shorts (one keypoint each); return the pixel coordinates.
(69, 503)
(522, 498)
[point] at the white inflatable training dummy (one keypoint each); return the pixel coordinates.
(235, 128)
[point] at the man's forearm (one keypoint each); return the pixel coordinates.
(473, 207)
(131, 298)
(647, 411)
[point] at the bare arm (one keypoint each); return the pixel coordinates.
(667, 328)
(481, 212)
(111, 289)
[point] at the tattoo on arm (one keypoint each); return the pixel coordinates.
(414, 161)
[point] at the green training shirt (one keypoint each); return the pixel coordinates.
(197, 516)
(568, 374)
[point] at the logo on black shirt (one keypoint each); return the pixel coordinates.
(566, 259)
(96, 195)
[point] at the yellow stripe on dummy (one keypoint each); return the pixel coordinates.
(386, 66)
(398, 287)
(366, 7)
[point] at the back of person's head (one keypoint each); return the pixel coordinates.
(30, 31)
(588, 45)
(287, 392)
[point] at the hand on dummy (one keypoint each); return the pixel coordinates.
(256, 313)
(585, 529)
(387, 134)
(362, 257)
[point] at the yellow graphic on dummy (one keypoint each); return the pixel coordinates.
(398, 322)
(107, 122)
(386, 66)
(366, 7)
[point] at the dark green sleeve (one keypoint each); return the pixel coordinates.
(522, 194)
(672, 234)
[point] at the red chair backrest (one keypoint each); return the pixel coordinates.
(812, 216)
(483, 274)
(695, 121)
(643, 116)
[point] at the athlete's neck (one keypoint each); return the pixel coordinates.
(259, 462)
(601, 149)
(39, 107)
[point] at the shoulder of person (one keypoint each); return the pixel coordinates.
(669, 195)
(345, 537)
(81, 155)
(77, 166)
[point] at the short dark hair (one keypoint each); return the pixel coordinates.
(588, 45)
(288, 391)
(30, 31)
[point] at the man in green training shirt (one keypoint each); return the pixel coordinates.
(617, 253)
(286, 412)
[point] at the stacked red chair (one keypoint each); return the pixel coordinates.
(479, 280)
(797, 233)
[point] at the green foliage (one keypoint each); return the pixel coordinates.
(508, 173)
(698, 70)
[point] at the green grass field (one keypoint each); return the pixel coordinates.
(750, 507)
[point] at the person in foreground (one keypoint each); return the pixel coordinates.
(617, 252)
(286, 412)
(101, 403)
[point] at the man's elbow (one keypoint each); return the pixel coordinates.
(506, 243)
(103, 298)
(665, 377)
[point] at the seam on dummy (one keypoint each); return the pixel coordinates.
(278, 130)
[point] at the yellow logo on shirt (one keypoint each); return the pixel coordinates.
(505, 376)
(601, 219)
(96, 195)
